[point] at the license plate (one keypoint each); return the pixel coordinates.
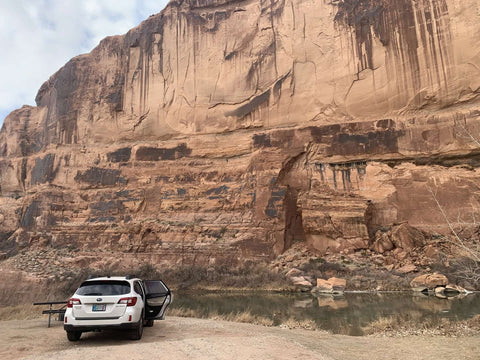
(99, 307)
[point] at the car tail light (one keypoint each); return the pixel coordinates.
(72, 302)
(129, 301)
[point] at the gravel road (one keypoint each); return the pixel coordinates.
(187, 338)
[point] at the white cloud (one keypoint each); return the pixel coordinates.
(37, 37)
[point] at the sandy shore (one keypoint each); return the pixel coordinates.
(187, 338)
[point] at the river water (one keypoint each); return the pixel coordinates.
(347, 314)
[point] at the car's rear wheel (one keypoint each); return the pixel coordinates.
(149, 323)
(74, 335)
(137, 333)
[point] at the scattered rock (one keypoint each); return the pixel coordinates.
(382, 242)
(361, 283)
(294, 272)
(431, 252)
(400, 254)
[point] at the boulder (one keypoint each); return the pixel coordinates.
(407, 237)
(301, 284)
(323, 286)
(332, 285)
(400, 254)
(428, 282)
(382, 242)
(338, 284)
(439, 290)
(455, 289)
(449, 291)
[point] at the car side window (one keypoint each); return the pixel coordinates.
(138, 289)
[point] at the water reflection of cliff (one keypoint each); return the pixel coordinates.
(348, 314)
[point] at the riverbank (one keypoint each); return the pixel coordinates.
(183, 338)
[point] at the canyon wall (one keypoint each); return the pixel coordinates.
(229, 130)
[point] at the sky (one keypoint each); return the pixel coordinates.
(37, 37)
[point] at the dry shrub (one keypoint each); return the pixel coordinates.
(248, 317)
(405, 325)
(292, 323)
(18, 288)
(182, 312)
(20, 312)
(240, 317)
(245, 276)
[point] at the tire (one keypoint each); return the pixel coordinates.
(74, 335)
(149, 323)
(137, 333)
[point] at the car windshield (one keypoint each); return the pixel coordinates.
(104, 287)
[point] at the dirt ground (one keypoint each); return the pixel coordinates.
(187, 338)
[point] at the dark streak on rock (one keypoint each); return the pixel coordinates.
(358, 138)
(23, 174)
(8, 245)
(30, 213)
(319, 134)
(261, 140)
(156, 154)
(217, 191)
(103, 219)
(403, 27)
(275, 202)
(253, 104)
(100, 176)
(58, 94)
(107, 206)
(379, 142)
(120, 155)
(43, 171)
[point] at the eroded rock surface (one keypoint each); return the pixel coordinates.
(230, 130)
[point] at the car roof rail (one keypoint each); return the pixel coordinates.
(90, 277)
(129, 277)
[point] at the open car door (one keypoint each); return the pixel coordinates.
(157, 299)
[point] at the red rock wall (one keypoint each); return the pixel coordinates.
(230, 130)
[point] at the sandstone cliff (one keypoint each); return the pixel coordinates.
(229, 130)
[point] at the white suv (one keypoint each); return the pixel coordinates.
(122, 303)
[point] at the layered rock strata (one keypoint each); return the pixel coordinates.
(229, 130)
